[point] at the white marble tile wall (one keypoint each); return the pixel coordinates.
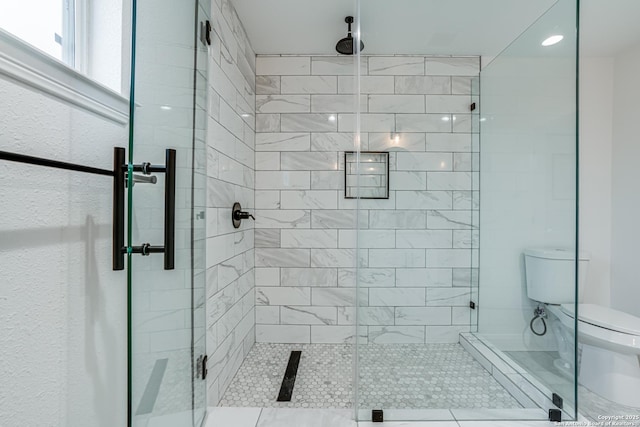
(231, 178)
(415, 254)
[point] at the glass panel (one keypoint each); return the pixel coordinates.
(167, 306)
(528, 187)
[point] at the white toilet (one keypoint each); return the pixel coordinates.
(610, 339)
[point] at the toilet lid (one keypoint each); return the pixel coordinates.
(605, 317)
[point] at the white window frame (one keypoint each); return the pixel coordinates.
(29, 66)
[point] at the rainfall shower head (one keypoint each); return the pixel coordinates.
(345, 46)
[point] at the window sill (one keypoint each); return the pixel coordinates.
(29, 66)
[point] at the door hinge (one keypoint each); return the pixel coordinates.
(472, 107)
(557, 400)
(202, 366)
(377, 416)
(555, 415)
(205, 32)
(472, 305)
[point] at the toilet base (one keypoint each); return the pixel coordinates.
(614, 376)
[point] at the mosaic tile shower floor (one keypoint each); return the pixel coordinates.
(398, 376)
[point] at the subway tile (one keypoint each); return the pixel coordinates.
(448, 180)
(317, 122)
(424, 239)
(267, 160)
(448, 104)
(313, 277)
(423, 200)
(367, 238)
(461, 66)
(396, 65)
(327, 180)
(309, 199)
(332, 335)
(367, 277)
(424, 161)
(282, 296)
(283, 103)
(294, 218)
(464, 86)
(336, 65)
(368, 122)
(397, 297)
(465, 239)
(400, 258)
(449, 142)
(267, 85)
(428, 85)
(369, 316)
(423, 316)
(396, 104)
(309, 161)
(287, 334)
(309, 84)
(304, 315)
(267, 315)
(337, 104)
(333, 141)
(267, 238)
(449, 220)
(397, 219)
(274, 257)
(448, 297)
(283, 142)
(444, 334)
(309, 238)
(424, 123)
(268, 122)
(333, 297)
(336, 219)
(283, 65)
(448, 258)
(337, 257)
(397, 334)
(267, 276)
(396, 141)
(287, 180)
(368, 84)
(423, 277)
(267, 199)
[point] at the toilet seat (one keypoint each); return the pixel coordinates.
(604, 317)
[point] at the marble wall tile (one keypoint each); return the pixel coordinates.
(396, 104)
(283, 65)
(278, 296)
(297, 180)
(327, 180)
(430, 123)
(400, 297)
(367, 238)
(309, 161)
(424, 161)
(337, 104)
(424, 239)
(424, 200)
(309, 199)
(448, 297)
(449, 142)
(274, 257)
(397, 219)
(333, 334)
(428, 85)
(295, 334)
(268, 161)
(367, 277)
(268, 122)
(267, 85)
(283, 142)
(427, 277)
(283, 103)
(313, 277)
(309, 84)
(282, 219)
(447, 104)
(396, 334)
(337, 257)
(448, 180)
(268, 315)
(469, 66)
(333, 297)
(396, 65)
(429, 316)
(335, 65)
(333, 142)
(317, 122)
(309, 238)
(336, 219)
(453, 258)
(445, 334)
(305, 315)
(368, 84)
(401, 258)
(449, 220)
(396, 141)
(267, 238)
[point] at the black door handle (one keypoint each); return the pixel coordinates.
(169, 247)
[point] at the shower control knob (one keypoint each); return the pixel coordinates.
(237, 215)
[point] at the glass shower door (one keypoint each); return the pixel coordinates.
(166, 255)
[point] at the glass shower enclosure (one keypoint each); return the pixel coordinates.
(167, 351)
(482, 166)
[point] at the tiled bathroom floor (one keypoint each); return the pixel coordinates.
(395, 376)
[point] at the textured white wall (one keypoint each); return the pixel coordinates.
(62, 308)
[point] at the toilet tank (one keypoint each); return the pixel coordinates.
(550, 272)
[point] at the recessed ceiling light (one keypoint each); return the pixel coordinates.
(552, 40)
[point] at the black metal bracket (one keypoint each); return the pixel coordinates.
(205, 32)
(472, 305)
(203, 364)
(377, 415)
(555, 415)
(557, 400)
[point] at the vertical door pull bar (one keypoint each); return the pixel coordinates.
(119, 169)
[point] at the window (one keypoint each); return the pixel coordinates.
(79, 46)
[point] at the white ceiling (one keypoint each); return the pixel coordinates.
(447, 27)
